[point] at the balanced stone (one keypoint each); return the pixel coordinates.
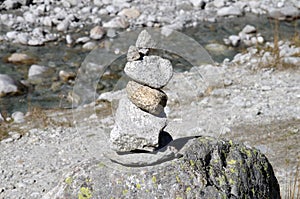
(152, 71)
(145, 40)
(133, 53)
(146, 98)
(135, 128)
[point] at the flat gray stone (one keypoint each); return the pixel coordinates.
(146, 98)
(145, 40)
(135, 128)
(152, 71)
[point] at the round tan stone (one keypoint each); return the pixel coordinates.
(146, 98)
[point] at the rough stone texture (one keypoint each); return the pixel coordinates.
(146, 98)
(152, 71)
(133, 54)
(145, 40)
(9, 86)
(208, 168)
(135, 128)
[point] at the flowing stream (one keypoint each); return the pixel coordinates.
(49, 92)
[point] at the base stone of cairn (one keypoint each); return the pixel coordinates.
(140, 116)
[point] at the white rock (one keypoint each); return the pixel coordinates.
(117, 22)
(12, 35)
(97, 32)
(287, 12)
(133, 53)
(36, 70)
(73, 2)
(152, 71)
(34, 41)
(111, 9)
(229, 11)
(63, 26)
(292, 60)
(134, 128)
(47, 21)
(9, 86)
(86, 10)
(69, 39)
(29, 17)
(130, 13)
(82, 40)
(23, 38)
(66, 76)
(1, 118)
(98, 3)
(18, 117)
(235, 40)
(248, 29)
(290, 12)
(197, 3)
(89, 45)
(219, 3)
(260, 39)
(11, 4)
(145, 40)
(51, 37)
(296, 3)
(7, 140)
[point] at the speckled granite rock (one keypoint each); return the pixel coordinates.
(152, 71)
(135, 128)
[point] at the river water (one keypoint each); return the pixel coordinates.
(50, 92)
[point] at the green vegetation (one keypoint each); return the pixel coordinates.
(277, 61)
(69, 180)
(84, 193)
(293, 187)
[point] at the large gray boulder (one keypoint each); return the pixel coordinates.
(204, 167)
(152, 71)
(135, 128)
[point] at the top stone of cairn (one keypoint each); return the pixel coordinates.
(145, 40)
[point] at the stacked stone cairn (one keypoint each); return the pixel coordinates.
(140, 116)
